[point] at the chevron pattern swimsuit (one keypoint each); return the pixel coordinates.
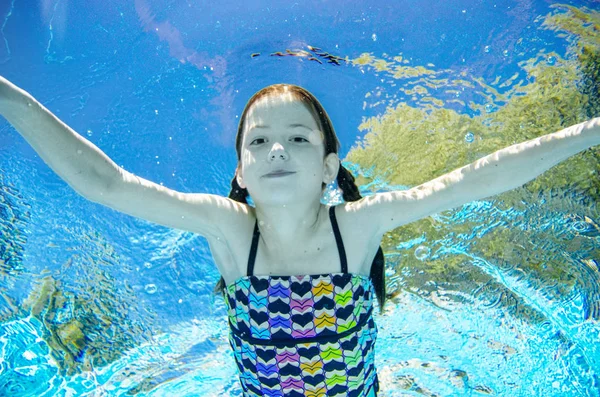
(311, 335)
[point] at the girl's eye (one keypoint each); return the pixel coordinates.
(257, 139)
(296, 139)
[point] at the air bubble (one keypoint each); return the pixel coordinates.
(556, 384)
(551, 60)
(486, 48)
(151, 288)
(469, 137)
(316, 137)
(580, 227)
(422, 252)
(489, 107)
(505, 53)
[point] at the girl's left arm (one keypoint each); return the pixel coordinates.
(498, 172)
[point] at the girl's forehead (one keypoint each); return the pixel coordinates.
(281, 106)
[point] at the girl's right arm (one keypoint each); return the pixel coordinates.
(96, 177)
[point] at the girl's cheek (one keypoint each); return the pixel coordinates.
(247, 158)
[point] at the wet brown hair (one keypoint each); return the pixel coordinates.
(345, 179)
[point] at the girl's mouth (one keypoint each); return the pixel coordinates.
(278, 174)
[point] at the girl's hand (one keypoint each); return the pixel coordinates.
(13, 99)
(7, 94)
(4, 85)
(593, 126)
(589, 131)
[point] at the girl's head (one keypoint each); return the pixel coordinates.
(290, 93)
(287, 108)
(285, 127)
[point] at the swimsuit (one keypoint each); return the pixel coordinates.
(310, 335)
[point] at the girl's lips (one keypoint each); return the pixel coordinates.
(278, 174)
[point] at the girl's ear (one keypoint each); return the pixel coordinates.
(238, 176)
(331, 167)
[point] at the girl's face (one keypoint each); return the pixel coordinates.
(280, 134)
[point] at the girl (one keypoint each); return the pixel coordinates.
(298, 277)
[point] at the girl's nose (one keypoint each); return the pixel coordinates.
(278, 152)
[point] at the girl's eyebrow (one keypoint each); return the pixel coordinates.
(293, 125)
(299, 125)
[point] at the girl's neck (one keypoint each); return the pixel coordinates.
(284, 227)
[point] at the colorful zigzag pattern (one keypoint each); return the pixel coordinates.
(285, 334)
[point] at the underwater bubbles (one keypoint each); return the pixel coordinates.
(580, 227)
(489, 107)
(422, 252)
(469, 137)
(151, 288)
(486, 48)
(551, 60)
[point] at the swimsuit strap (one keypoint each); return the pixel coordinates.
(338, 240)
(253, 249)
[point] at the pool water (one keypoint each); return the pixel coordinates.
(499, 297)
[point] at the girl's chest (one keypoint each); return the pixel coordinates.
(320, 255)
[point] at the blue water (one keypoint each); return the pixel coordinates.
(159, 86)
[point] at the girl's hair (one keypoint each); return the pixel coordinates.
(345, 179)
